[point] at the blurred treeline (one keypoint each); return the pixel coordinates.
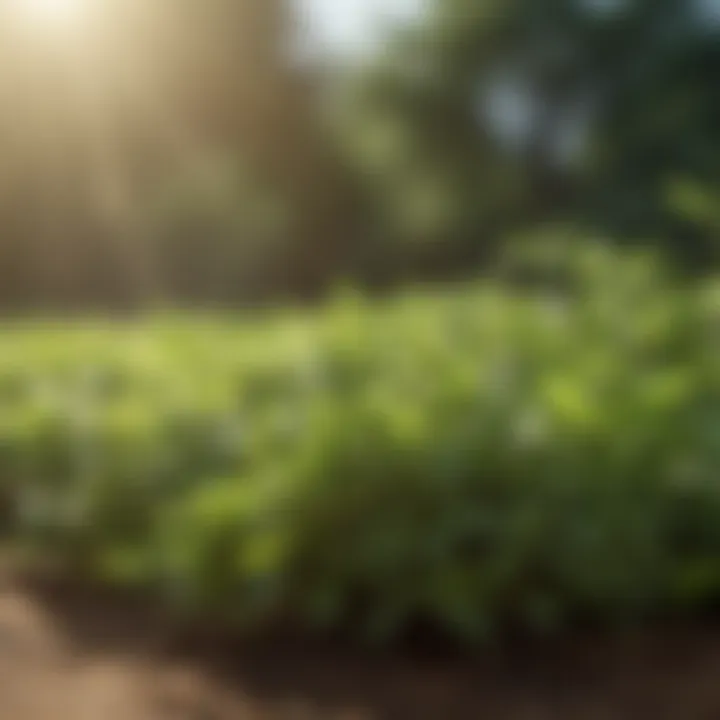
(186, 150)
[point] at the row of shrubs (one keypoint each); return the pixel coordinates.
(498, 455)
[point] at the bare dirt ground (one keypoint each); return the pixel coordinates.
(72, 656)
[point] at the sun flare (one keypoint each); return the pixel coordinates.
(53, 14)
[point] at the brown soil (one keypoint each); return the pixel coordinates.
(71, 656)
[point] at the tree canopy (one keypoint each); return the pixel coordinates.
(179, 149)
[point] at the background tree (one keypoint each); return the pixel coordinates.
(512, 113)
(183, 152)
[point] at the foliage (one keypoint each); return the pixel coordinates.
(476, 458)
(180, 150)
(491, 115)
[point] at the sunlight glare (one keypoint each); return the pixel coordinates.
(53, 14)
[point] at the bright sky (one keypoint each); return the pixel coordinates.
(352, 25)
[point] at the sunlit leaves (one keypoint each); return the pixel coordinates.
(474, 457)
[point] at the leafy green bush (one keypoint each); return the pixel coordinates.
(473, 459)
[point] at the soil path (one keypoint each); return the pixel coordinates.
(69, 657)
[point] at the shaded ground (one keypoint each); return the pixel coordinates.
(70, 656)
